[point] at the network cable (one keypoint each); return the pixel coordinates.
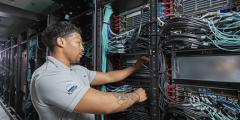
(223, 37)
(220, 99)
(32, 43)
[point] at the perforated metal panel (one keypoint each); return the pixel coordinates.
(191, 7)
(131, 19)
(134, 21)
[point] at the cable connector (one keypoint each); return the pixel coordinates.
(209, 14)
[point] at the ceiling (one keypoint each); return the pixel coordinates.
(36, 6)
(17, 15)
(14, 14)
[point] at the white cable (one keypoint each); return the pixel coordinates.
(160, 21)
(37, 44)
(111, 30)
(127, 32)
(212, 13)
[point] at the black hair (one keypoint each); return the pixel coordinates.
(59, 29)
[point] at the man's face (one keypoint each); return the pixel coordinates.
(74, 48)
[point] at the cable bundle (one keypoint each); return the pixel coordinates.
(220, 99)
(171, 91)
(107, 12)
(185, 24)
(162, 82)
(221, 31)
(116, 21)
(121, 89)
(87, 51)
(198, 107)
(113, 44)
(184, 31)
(167, 9)
(211, 109)
(161, 8)
(225, 31)
(179, 93)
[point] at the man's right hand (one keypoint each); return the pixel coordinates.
(142, 94)
(98, 102)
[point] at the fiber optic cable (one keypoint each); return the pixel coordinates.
(32, 43)
(223, 38)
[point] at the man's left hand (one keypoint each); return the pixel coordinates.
(138, 64)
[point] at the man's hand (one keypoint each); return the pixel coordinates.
(138, 64)
(141, 93)
(115, 76)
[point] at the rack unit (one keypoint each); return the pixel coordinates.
(140, 23)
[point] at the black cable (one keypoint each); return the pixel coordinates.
(183, 27)
(182, 114)
(164, 94)
(202, 25)
(183, 24)
(139, 29)
(143, 64)
(187, 35)
(163, 76)
(190, 109)
(180, 23)
(187, 19)
(183, 40)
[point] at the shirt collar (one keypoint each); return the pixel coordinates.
(57, 63)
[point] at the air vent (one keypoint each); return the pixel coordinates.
(191, 7)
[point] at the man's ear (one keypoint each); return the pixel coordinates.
(61, 42)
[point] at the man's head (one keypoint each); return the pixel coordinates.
(63, 39)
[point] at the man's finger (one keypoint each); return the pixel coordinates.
(145, 59)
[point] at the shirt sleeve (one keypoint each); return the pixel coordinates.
(91, 75)
(60, 90)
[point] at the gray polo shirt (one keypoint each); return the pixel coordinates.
(56, 89)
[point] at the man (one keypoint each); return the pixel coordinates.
(62, 92)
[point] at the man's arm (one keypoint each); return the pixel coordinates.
(112, 76)
(98, 102)
(115, 76)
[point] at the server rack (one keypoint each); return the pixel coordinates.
(12, 58)
(15, 62)
(152, 52)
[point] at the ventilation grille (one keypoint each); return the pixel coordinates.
(191, 7)
(134, 21)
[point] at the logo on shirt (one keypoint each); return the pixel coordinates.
(84, 76)
(71, 88)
